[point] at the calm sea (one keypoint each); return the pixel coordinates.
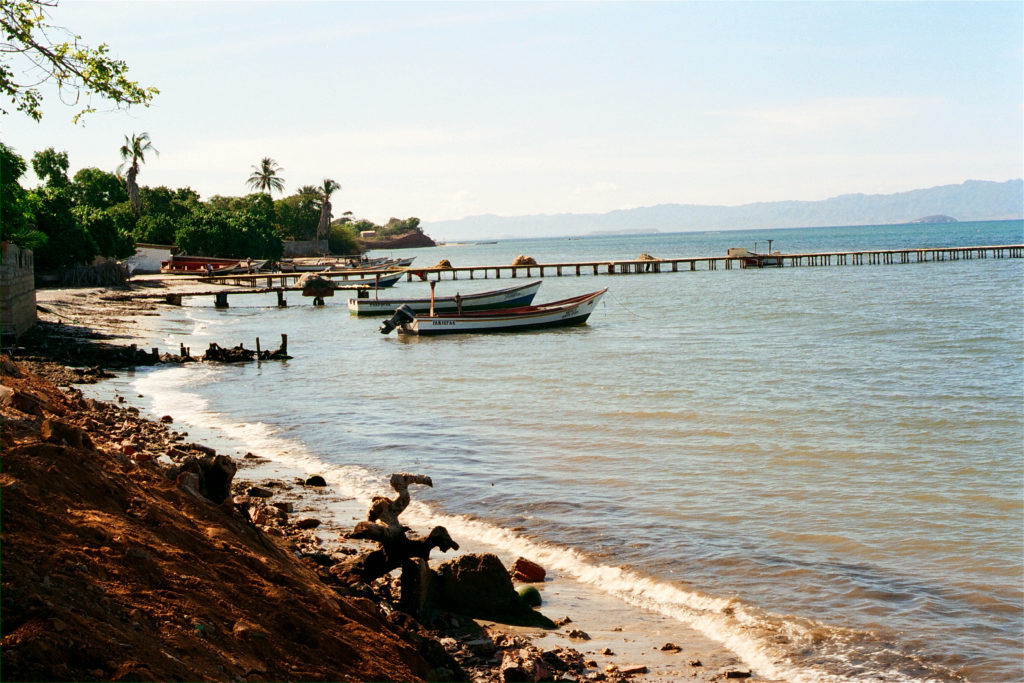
(819, 467)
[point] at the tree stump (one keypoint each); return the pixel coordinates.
(384, 528)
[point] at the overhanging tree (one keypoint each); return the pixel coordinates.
(34, 51)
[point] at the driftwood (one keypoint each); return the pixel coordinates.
(240, 354)
(384, 528)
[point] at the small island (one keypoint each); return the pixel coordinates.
(938, 218)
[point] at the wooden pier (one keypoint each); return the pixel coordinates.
(674, 265)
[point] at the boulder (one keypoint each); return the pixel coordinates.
(315, 480)
(214, 473)
(479, 586)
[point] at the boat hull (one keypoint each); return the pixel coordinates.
(565, 313)
(510, 297)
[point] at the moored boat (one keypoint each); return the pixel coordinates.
(509, 297)
(572, 311)
(197, 265)
(376, 280)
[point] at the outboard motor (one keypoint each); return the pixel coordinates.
(403, 314)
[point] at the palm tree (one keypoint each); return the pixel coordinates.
(265, 177)
(323, 229)
(133, 152)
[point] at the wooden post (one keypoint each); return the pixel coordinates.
(181, 350)
(133, 352)
(432, 285)
(220, 300)
(284, 344)
(281, 303)
(156, 354)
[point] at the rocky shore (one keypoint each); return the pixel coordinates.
(131, 553)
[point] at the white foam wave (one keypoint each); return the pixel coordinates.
(738, 627)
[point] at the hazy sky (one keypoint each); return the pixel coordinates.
(444, 110)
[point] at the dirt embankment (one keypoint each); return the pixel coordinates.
(114, 571)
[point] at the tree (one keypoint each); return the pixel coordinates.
(93, 187)
(133, 151)
(16, 205)
(265, 177)
(323, 228)
(28, 49)
(51, 166)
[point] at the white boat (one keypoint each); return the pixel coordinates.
(510, 297)
(381, 280)
(573, 311)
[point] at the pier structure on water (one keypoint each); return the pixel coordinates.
(673, 265)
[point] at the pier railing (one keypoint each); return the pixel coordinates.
(673, 265)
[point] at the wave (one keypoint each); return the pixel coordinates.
(781, 647)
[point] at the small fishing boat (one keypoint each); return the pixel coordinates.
(381, 280)
(197, 265)
(510, 297)
(573, 311)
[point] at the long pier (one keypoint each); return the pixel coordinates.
(673, 265)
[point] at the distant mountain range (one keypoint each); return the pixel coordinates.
(973, 200)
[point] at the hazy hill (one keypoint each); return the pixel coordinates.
(972, 200)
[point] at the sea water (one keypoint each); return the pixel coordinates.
(819, 467)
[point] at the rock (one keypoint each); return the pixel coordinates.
(577, 634)
(633, 670)
(481, 646)
(55, 431)
(284, 507)
(167, 419)
(6, 395)
(526, 571)
(563, 621)
(670, 647)
(530, 595)
(478, 585)
(523, 665)
(257, 492)
(696, 662)
(315, 480)
(607, 652)
(214, 473)
(307, 523)
(737, 674)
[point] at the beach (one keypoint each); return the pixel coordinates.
(606, 632)
(810, 471)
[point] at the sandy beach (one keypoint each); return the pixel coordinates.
(612, 638)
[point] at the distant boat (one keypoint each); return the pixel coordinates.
(752, 259)
(510, 297)
(335, 263)
(573, 311)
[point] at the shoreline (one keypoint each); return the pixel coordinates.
(613, 626)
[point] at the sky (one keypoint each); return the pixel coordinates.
(443, 110)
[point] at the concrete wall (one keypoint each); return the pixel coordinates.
(17, 291)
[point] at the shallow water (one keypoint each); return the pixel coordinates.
(817, 467)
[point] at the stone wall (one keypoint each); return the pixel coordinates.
(305, 247)
(17, 291)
